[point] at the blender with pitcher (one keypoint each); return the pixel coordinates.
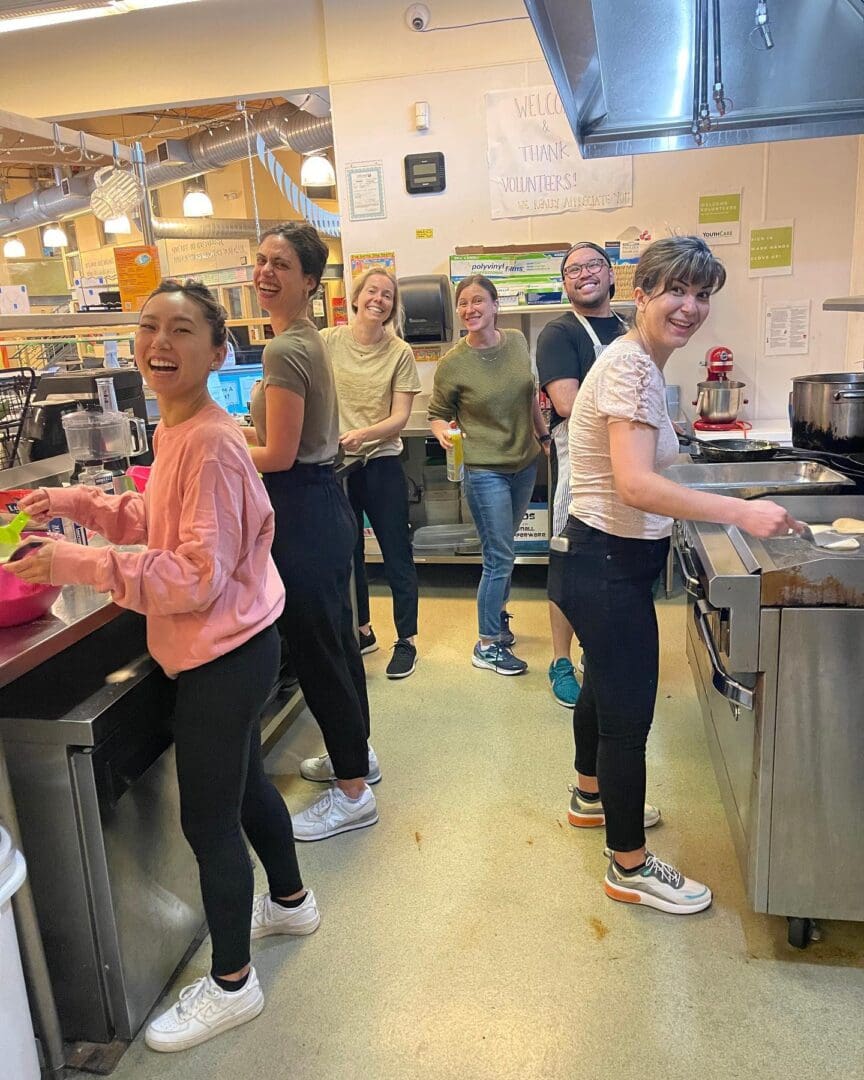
(102, 443)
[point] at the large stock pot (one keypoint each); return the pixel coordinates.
(827, 412)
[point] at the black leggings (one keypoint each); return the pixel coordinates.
(604, 586)
(312, 549)
(223, 786)
(380, 489)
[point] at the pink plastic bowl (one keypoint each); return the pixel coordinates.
(22, 603)
(140, 475)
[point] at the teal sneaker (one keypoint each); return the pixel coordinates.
(565, 688)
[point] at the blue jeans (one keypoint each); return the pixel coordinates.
(498, 502)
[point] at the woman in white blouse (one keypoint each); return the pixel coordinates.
(612, 550)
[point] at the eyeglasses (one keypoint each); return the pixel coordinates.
(575, 270)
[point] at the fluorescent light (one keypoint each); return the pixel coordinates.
(316, 171)
(54, 237)
(37, 18)
(117, 225)
(196, 203)
(13, 249)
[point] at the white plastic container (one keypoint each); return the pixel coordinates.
(17, 1044)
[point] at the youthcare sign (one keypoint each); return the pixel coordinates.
(534, 163)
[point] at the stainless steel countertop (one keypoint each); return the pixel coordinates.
(77, 612)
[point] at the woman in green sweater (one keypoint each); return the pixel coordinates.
(485, 385)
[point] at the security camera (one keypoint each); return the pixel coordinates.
(417, 16)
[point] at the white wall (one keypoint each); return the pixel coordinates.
(374, 82)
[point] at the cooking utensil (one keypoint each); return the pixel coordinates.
(11, 534)
(721, 450)
(825, 538)
(827, 412)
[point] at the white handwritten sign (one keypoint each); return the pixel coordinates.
(182, 257)
(534, 163)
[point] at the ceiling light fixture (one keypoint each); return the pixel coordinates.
(196, 201)
(316, 171)
(118, 224)
(29, 15)
(54, 237)
(13, 249)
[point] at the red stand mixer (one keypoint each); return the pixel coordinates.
(719, 398)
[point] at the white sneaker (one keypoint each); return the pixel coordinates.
(202, 1011)
(320, 769)
(269, 917)
(658, 885)
(335, 813)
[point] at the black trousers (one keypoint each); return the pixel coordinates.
(217, 708)
(604, 586)
(379, 489)
(312, 549)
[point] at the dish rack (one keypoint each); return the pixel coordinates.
(16, 390)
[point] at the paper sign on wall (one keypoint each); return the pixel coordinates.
(534, 163)
(787, 328)
(138, 274)
(365, 183)
(720, 218)
(771, 249)
(367, 259)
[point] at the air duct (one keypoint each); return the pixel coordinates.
(173, 161)
(209, 228)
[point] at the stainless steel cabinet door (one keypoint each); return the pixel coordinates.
(817, 820)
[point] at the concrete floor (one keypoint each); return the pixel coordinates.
(467, 935)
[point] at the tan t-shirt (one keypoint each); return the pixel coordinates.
(623, 384)
(367, 377)
(297, 360)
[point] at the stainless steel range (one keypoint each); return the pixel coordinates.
(775, 640)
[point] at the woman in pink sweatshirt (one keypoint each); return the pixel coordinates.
(211, 595)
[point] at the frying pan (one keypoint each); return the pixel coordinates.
(720, 450)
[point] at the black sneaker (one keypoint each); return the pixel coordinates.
(368, 643)
(403, 661)
(506, 637)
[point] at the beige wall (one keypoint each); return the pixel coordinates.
(373, 89)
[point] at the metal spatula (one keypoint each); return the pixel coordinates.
(823, 539)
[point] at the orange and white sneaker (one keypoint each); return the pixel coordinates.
(657, 885)
(588, 813)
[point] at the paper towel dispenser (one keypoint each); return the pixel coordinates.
(427, 301)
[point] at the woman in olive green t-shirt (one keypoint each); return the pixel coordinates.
(486, 386)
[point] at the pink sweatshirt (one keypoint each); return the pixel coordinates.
(206, 582)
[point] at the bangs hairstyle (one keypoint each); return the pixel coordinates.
(397, 315)
(687, 259)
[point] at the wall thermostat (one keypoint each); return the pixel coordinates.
(424, 173)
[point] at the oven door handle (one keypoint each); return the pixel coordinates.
(723, 682)
(688, 572)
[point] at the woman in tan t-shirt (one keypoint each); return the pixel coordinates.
(376, 380)
(615, 544)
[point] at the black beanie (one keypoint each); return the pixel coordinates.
(595, 247)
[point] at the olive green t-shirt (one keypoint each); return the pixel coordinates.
(490, 393)
(367, 377)
(297, 360)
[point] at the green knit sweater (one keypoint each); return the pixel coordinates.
(490, 393)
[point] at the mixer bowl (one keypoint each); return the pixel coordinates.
(21, 602)
(719, 401)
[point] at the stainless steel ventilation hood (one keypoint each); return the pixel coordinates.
(628, 82)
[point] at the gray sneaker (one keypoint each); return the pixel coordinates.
(585, 814)
(335, 813)
(498, 658)
(320, 769)
(657, 885)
